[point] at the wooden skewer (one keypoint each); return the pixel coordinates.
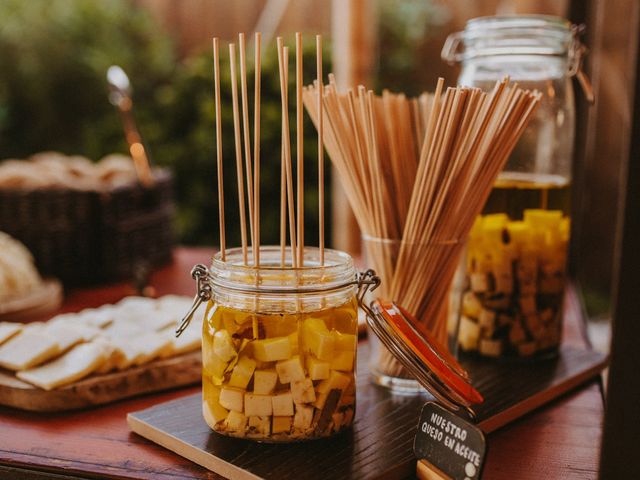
(238, 146)
(256, 147)
(216, 76)
(300, 148)
(283, 190)
(320, 148)
(283, 60)
(247, 140)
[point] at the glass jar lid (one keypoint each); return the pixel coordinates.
(524, 35)
(423, 356)
(511, 35)
(275, 274)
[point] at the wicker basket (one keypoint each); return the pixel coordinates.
(93, 237)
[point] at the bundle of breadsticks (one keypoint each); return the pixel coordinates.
(417, 172)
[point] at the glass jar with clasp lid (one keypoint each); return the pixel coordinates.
(279, 344)
(515, 269)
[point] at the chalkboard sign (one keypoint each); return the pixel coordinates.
(452, 445)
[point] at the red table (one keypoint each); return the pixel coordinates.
(561, 440)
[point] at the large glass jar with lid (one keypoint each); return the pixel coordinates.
(515, 269)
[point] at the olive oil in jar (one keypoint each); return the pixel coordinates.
(279, 346)
(515, 269)
(269, 376)
(515, 192)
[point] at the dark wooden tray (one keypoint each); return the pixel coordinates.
(380, 443)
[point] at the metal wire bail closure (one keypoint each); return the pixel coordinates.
(200, 274)
(366, 282)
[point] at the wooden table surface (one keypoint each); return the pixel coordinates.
(561, 440)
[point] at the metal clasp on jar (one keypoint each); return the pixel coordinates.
(366, 281)
(200, 274)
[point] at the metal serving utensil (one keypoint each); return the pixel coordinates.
(120, 97)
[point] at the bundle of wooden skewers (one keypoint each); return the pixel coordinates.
(417, 173)
(291, 209)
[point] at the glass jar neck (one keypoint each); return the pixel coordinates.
(276, 286)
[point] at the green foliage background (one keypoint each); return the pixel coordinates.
(187, 108)
(53, 96)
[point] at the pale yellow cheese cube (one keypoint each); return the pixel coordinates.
(543, 219)
(318, 370)
(236, 422)
(318, 339)
(303, 417)
(242, 372)
(321, 399)
(471, 305)
(343, 360)
(518, 232)
(231, 398)
(282, 404)
(211, 396)
(262, 425)
(260, 405)
(479, 282)
(213, 412)
(213, 365)
(344, 341)
(495, 220)
(468, 334)
(281, 425)
(336, 380)
(272, 349)
(302, 391)
(223, 345)
(290, 370)
(264, 381)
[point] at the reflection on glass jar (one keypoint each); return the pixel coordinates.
(279, 347)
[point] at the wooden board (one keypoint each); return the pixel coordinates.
(95, 390)
(46, 298)
(380, 443)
